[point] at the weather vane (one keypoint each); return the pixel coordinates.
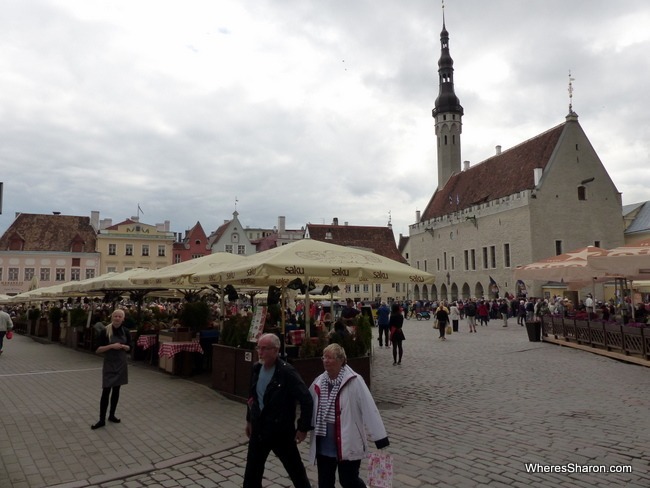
(571, 80)
(236, 203)
(389, 219)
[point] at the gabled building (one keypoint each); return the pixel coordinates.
(379, 240)
(193, 245)
(279, 236)
(132, 244)
(637, 222)
(231, 237)
(543, 197)
(43, 250)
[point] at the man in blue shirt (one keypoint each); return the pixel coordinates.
(383, 316)
(276, 388)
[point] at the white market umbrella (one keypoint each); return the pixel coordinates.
(631, 261)
(573, 266)
(313, 261)
(178, 274)
(317, 261)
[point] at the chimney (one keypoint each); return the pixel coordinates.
(345, 223)
(282, 222)
(537, 175)
(56, 213)
(94, 219)
(335, 221)
(498, 148)
(465, 165)
(418, 215)
(168, 225)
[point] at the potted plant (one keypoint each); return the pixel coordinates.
(233, 358)
(77, 324)
(195, 316)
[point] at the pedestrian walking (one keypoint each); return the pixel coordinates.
(442, 316)
(344, 415)
(276, 388)
(6, 325)
(454, 316)
(483, 311)
(470, 313)
(114, 344)
(395, 323)
(383, 316)
(504, 311)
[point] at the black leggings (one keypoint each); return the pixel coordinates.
(397, 349)
(103, 403)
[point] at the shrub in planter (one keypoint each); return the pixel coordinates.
(195, 316)
(55, 314)
(234, 332)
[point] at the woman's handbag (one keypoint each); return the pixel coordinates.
(435, 323)
(380, 470)
(9, 334)
(448, 330)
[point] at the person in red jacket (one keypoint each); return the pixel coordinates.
(483, 311)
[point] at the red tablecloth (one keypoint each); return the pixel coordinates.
(146, 341)
(296, 337)
(170, 349)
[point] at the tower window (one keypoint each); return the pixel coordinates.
(445, 140)
(582, 193)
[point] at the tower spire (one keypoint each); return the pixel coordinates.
(571, 80)
(447, 112)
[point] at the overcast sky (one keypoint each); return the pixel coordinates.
(307, 109)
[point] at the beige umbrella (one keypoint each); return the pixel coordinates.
(309, 260)
(178, 274)
(631, 261)
(317, 261)
(573, 266)
(109, 282)
(42, 294)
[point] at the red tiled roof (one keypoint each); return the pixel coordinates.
(40, 232)
(266, 243)
(379, 240)
(501, 175)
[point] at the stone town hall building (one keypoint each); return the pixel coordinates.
(548, 195)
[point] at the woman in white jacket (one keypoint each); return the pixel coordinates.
(345, 415)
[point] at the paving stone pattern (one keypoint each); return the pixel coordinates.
(470, 411)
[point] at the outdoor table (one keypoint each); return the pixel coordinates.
(146, 341)
(167, 350)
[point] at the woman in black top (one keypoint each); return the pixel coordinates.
(395, 323)
(114, 343)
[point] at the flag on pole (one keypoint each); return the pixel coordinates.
(494, 288)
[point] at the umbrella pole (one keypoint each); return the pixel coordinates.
(283, 348)
(307, 309)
